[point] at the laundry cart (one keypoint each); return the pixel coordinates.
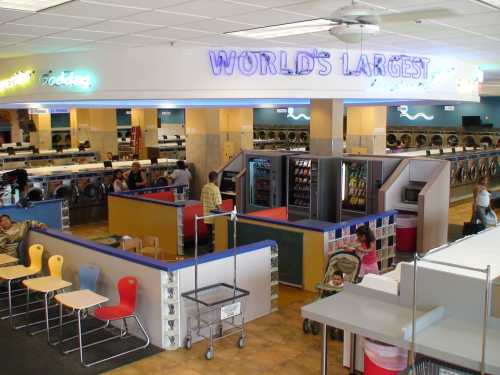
(219, 308)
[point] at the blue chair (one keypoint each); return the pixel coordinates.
(88, 277)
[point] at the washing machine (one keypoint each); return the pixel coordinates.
(87, 208)
(461, 170)
(483, 164)
(436, 139)
(469, 140)
(406, 138)
(60, 186)
(486, 139)
(304, 136)
(493, 164)
(453, 170)
(37, 189)
(452, 139)
(472, 169)
(391, 140)
(421, 140)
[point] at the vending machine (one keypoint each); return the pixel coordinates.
(265, 181)
(312, 187)
(361, 178)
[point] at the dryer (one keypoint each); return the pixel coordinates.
(61, 186)
(468, 140)
(391, 140)
(486, 139)
(406, 138)
(421, 140)
(90, 196)
(437, 140)
(37, 189)
(452, 140)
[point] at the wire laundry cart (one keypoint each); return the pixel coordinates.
(220, 308)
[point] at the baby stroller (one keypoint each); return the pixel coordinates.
(346, 262)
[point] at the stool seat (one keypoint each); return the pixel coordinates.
(17, 272)
(7, 259)
(80, 299)
(46, 284)
(113, 312)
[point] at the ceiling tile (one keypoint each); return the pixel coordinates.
(7, 15)
(213, 8)
(267, 17)
(175, 33)
(219, 26)
(145, 4)
(120, 27)
(13, 38)
(318, 8)
(83, 34)
(272, 3)
(83, 9)
(162, 18)
(137, 40)
(11, 28)
(43, 19)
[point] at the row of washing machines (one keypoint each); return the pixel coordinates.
(436, 137)
(281, 137)
(85, 191)
(467, 167)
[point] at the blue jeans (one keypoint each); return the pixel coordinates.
(480, 214)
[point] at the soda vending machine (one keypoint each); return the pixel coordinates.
(361, 178)
(265, 181)
(312, 187)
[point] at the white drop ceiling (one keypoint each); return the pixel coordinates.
(89, 24)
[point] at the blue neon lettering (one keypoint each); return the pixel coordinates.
(304, 63)
(268, 63)
(379, 65)
(406, 66)
(394, 66)
(222, 62)
(284, 69)
(324, 63)
(248, 63)
(363, 66)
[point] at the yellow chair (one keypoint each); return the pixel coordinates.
(151, 246)
(132, 244)
(55, 266)
(19, 272)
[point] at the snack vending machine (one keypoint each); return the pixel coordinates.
(361, 178)
(312, 187)
(265, 181)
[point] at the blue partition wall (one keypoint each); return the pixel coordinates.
(48, 212)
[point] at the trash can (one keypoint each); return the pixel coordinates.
(406, 233)
(382, 359)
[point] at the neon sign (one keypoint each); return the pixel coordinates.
(291, 114)
(315, 62)
(18, 79)
(403, 112)
(67, 79)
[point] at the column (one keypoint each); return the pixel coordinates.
(237, 131)
(147, 120)
(15, 132)
(366, 130)
(327, 127)
(98, 126)
(42, 138)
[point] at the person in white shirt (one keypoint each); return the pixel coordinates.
(181, 177)
(482, 201)
(119, 183)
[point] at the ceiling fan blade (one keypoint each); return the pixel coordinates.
(415, 15)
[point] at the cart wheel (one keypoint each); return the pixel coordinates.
(209, 354)
(315, 328)
(188, 343)
(241, 342)
(306, 326)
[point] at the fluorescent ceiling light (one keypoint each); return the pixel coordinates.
(287, 29)
(491, 3)
(31, 5)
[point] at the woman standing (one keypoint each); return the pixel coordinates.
(482, 201)
(365, 248)
(136, 178)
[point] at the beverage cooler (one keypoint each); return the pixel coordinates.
(265, 180)
(312, 187)
(361, 178)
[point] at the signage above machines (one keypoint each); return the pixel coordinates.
(64, 79)
(316, 62)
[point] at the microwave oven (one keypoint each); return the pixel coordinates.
(411, 192)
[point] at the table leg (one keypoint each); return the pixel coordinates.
(352, 355)
(9, 292)
(61, 328)
(324, 349)
(80, 336)
(47, 324)
(28, 310)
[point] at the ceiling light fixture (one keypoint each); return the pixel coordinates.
(287, 29)
(491, 3)
(31, 5)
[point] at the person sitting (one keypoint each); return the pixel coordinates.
(12, 233)
(337, 280)
(136, 178)
(119, 183)
(159, 179)
(481, 204)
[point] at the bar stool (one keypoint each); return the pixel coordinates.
(46, 285)
(13, 273)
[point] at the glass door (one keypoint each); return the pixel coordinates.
(354, 185)
(300, 183)
(260, 182)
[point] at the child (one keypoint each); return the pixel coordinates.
(365, 248)
(337, 280)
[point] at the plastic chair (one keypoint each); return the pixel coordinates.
(35, 253)
(127, 289)
(55, 266)
(88, 277)
(132, 244)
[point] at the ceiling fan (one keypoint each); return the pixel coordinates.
(350, 24)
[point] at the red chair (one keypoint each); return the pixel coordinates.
(127, 289)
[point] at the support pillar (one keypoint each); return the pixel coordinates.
(98, 126)
(147, 120)
(16, 134)
(213, 136)
(366, 130)
(42, 138)
(327, 127)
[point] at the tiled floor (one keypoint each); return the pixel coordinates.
(276, 344)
